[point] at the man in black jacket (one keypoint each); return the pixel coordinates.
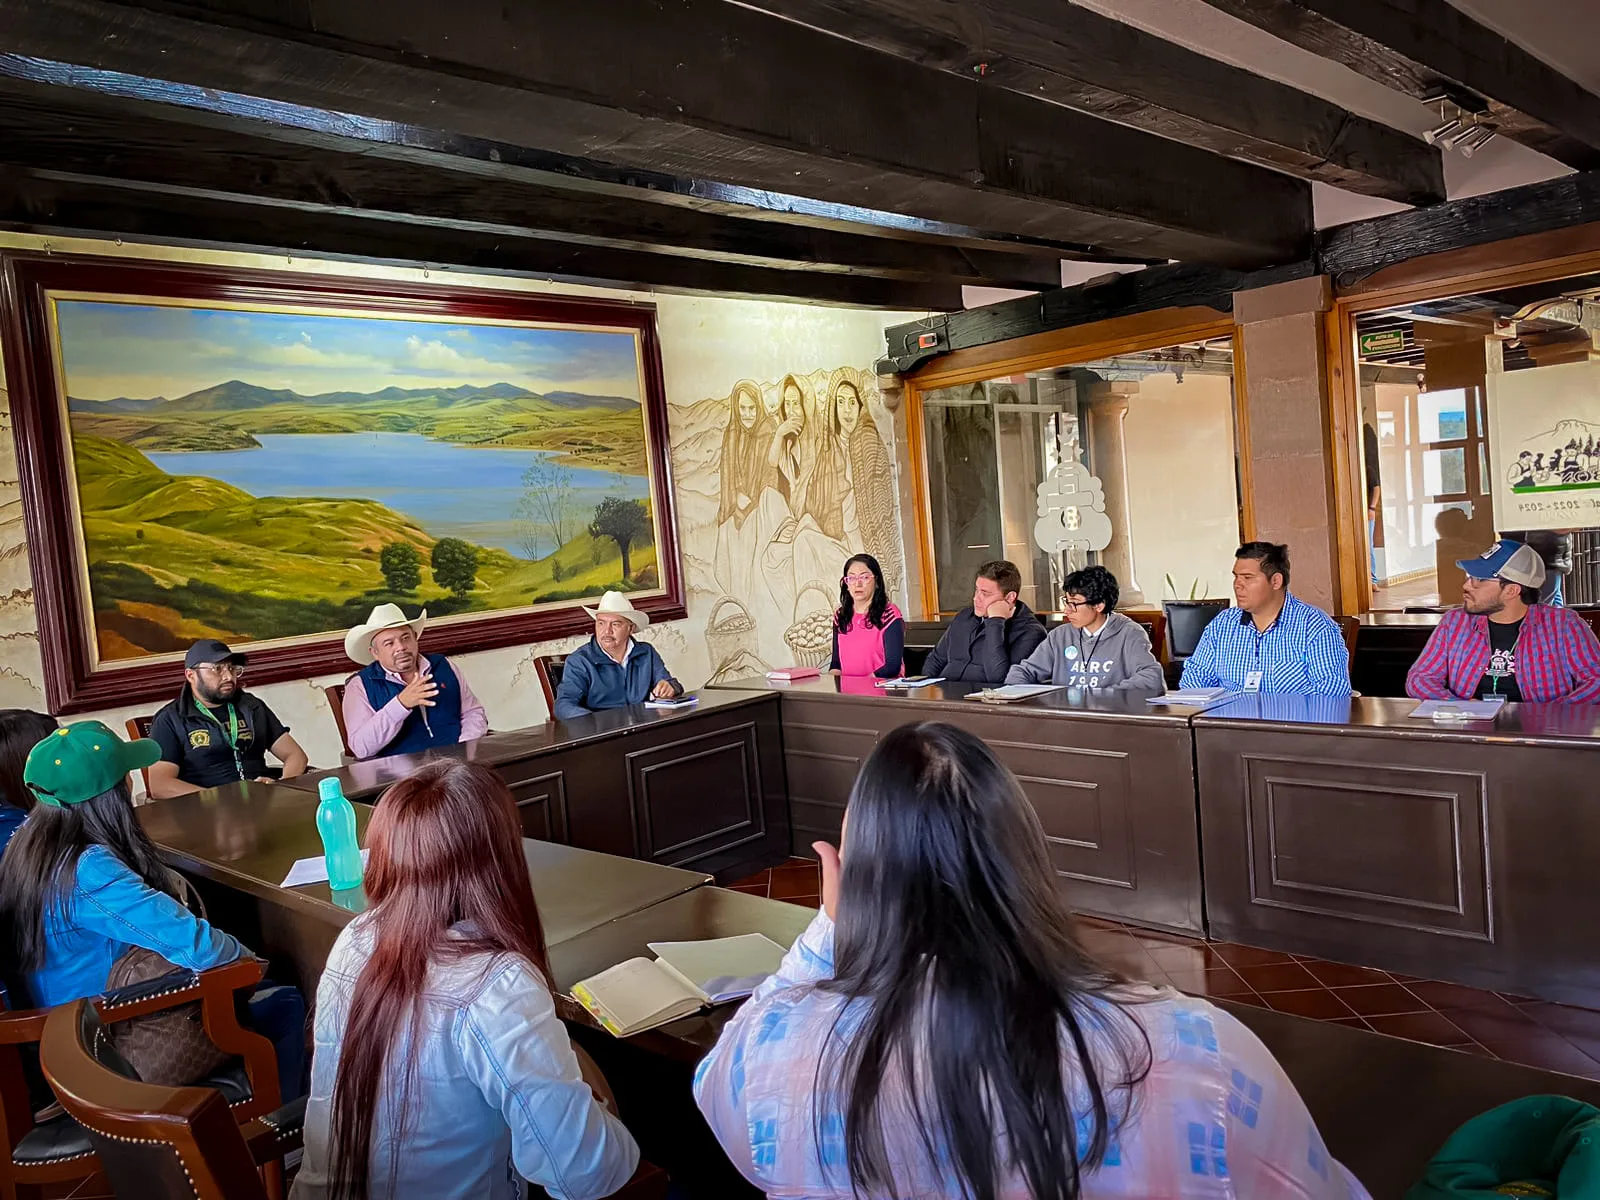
(987, 639)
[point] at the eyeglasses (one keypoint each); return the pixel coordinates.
(233, 669)
(858, 578)
(1073, 605)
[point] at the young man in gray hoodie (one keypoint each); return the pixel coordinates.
(1095, 649)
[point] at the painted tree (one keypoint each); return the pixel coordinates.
(401, 566)
(624, 522)
(546, 507)
(455, 565)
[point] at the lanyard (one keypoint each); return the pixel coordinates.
(232, 732)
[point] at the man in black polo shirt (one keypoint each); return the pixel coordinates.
(215, 732)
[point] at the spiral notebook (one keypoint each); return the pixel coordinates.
(683, 978)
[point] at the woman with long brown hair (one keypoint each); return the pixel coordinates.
(441, 1068)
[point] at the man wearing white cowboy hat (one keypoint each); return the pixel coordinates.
(614, 670)
(403, 700)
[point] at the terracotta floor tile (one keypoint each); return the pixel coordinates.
(1152, 938)
(1353, 1022)
(1434, 1028)
(1214, 983)
(1380, 999)
(788, 885)
(1254, 1000)
(1277, 977)
(802, 901)
(1237, 956)
(1332, 974)
(761, 879)
(1550, 1053)
(1317, 1003)
(1447, 996)
(749, 889)
(1194, 958)
(1576, 1024)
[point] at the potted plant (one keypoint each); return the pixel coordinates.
(1187, 619)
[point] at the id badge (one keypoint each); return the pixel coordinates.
(1252, 681)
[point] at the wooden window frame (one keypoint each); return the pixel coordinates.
(1061, 348)
(1513, 262)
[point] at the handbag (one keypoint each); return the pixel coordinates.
(168, 1048)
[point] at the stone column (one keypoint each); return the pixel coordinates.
(1107, 410)
(1285, 429)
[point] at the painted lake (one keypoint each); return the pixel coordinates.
(449, 490)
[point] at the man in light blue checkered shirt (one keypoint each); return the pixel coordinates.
(1271, 643)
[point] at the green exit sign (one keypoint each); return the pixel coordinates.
(1384, 341)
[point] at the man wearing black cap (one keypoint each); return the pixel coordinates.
(215, 732)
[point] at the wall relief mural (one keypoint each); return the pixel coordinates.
(779, 483)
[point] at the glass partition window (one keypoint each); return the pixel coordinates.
(1127, 462)
(1481, 419)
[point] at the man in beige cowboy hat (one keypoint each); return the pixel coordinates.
(403, 700)
(614, 669)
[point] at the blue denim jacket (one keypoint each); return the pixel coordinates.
(109, 910)
(496, 1096)
(593, 680)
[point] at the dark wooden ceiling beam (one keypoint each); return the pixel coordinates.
(710, 90)
(1352, 252)
(1073, 56)
(40, 130)
(35, 202)
(1414, 46)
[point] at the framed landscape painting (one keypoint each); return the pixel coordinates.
(262, 457)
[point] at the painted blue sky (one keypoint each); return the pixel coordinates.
(143, 350)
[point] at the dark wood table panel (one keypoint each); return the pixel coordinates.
(1348, 830)
(1110, 777)
(702, 787)
(241, 841)
(1412, 1096)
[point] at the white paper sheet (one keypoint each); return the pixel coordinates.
(311, 870)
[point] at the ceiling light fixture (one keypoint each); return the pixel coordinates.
(1476, 140)
(1451, 128)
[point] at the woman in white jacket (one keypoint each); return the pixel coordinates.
(441, 1068)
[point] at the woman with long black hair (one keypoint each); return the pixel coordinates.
(20, 730)
(869, 634)
(939, 1031)
(81, 884)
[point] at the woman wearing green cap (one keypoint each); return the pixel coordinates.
(81, 884)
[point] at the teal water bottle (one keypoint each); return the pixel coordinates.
(336, 822)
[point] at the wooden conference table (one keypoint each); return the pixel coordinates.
(1340, 828)
(239, 842)
(700, 788)
(1111, 777)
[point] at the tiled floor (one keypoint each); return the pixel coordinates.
(1536, 1033)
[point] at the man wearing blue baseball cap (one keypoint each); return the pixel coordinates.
(1503, 642)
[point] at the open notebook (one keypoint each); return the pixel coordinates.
(683, 978)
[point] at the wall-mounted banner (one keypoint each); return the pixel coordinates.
(1544, 447)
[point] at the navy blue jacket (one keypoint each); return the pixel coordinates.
(593, 680)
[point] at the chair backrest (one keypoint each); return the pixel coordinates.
(1155, 624)
(139, 727)
(154, 1143)
(335, 694)
(548, 667)
(1350, 629)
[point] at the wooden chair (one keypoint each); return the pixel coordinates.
(335, 694)
(139, 727)
(549, 668)
(1155, 624)
(39, 1157)
(162, 1143)
(1350, 629)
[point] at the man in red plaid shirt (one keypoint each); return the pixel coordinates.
(1503, 642)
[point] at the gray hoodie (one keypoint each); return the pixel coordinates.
(1118, 657)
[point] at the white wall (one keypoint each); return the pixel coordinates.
(1182, 504)
(708, 344)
